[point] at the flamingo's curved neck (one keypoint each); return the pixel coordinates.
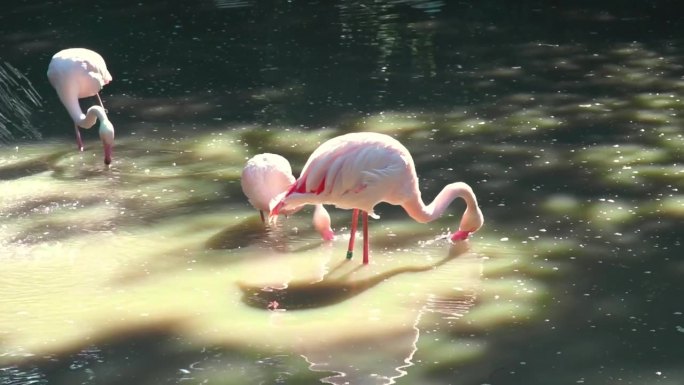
(80, 119)
(70, 101)
(88, 119)
(417, 210)
(321, 222)
(96, 112)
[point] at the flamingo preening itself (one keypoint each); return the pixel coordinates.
(267, 175)
(359, 170)
(78, 73)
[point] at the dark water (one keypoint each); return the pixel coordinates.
(566, 119)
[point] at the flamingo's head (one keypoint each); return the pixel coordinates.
(471, 221)
(107, 137)
(321, 222)
(106, 131)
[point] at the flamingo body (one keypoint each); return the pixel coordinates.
(78, 73)
(355, 171)
(265, 176)
(359, 170)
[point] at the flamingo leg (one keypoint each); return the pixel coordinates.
(354, 223)
(100, 100)
(261, 213)
(364, 218)
(79, 142)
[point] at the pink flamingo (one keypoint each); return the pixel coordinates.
(77, 73)
(267, 175)
(359, 170)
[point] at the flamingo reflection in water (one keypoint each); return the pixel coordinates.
(446, 288)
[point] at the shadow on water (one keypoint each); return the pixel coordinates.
(245, 233)
(145, 354)
(252, 231)
(330, 291)
(31, 166)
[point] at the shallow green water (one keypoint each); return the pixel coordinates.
(566, 122)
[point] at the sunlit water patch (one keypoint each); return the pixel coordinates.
(164, 240)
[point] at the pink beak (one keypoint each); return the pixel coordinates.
(107, 153)
(460, 235)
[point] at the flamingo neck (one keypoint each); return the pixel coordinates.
(68, 95)
(79, 118)
(417, 210)
(96, 112)
(106, 130)
(321, 222)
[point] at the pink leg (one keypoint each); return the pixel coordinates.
(365, 237)
(261, 213)
(354, 223)
(79, 142)
(100, 100)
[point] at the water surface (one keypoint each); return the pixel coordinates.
(566, 120)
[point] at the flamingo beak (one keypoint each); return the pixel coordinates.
(471, 222)
(107, 153)
(460, 235)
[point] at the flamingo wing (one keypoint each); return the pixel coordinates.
(95, 67)
(349, 174)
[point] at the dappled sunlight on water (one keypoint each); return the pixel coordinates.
(164, 243)
(564, 118)
(161, 239)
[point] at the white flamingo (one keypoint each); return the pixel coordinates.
(77, 73)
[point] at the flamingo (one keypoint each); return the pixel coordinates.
(77, 73)
(266, 176)
(359, 170)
